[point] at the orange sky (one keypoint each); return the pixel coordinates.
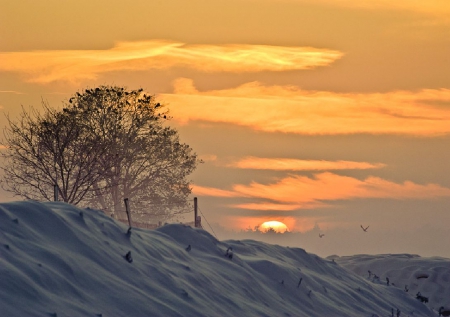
(314, 113)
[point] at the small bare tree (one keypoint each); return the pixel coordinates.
(47, 149)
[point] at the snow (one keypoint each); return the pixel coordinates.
(429, 276)
(59, 260)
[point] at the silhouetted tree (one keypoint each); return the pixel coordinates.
(122, 133)
(44, 149)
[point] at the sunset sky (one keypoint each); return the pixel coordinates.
(322, 114)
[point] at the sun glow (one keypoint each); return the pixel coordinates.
(277, 226)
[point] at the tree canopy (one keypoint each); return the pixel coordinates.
(106, 144)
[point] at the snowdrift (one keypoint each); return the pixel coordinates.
(59, 260)
(428, 276)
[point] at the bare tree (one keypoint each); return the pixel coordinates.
(44, 150)
(149, 164)
(123, 135)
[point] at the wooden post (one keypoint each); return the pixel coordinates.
(127, 209)
(195, 212)
(55, 192)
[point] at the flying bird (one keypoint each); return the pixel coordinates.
(364, 229)
(321, 235)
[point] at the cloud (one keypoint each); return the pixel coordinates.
(300, 192)
(328, 186)
(215, 192)
(284, 164)
(279, 206)
(75, 65)
(436, 8)
(290, 109)
(252, 222)
(268, 206)
(14, 92)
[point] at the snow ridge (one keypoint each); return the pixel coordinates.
(65, 261)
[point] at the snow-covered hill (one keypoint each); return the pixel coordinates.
(58, 260)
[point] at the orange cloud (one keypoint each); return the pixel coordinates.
(268, 206)
(300, 192)
(290, 109)
(431, 7)
(250, 223)
(14, 92)
(302, 224)
(209, 191)
(76, 65)
(327, 186)
(283, 164)
(280, 206)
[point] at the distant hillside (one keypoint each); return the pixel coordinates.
(428, 276)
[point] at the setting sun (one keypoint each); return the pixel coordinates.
(277, 226)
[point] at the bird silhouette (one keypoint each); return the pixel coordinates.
(188, 248)
(321, 235)
(364, 229)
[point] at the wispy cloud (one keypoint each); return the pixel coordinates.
(299, 192)
(324, 187)
(215, 192)
(266, 206)
(76, 65)
(243, 222)
(284, 164)
(431, 7)
(14, 92)
(293, 110)
(252, 222)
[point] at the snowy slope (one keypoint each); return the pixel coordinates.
(58, 260)
(429, 276)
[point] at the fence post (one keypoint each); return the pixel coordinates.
(127, 209)
(55, 192)
(195, 212)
